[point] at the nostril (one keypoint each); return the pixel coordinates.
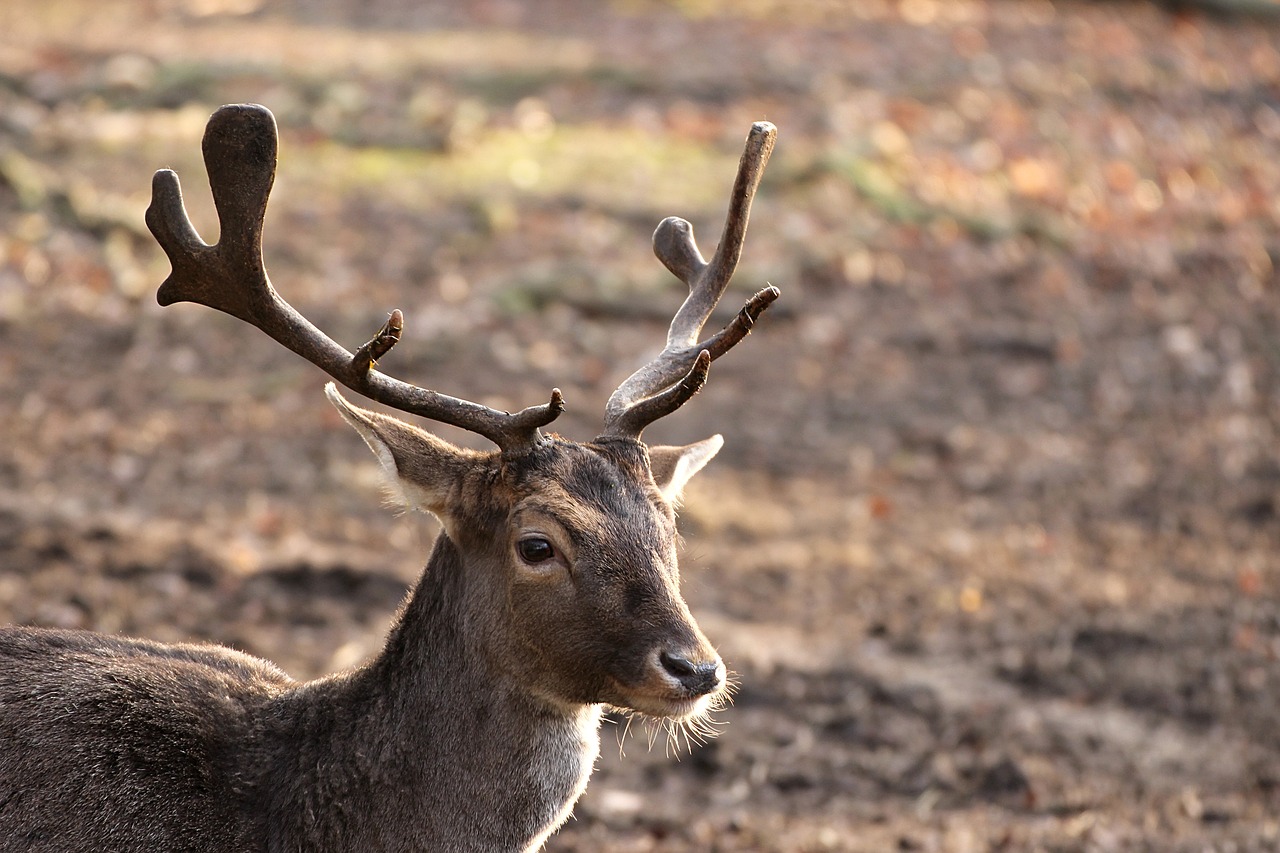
(678, 665)
(697, 678)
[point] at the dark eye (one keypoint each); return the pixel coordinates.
(535, 549)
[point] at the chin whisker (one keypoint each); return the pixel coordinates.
(680, 736)
(622, 736)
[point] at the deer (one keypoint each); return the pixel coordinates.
(551, 594)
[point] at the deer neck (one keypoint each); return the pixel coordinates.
(430, 728)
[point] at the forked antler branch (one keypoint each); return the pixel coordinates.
(679, 371)
(240, 145)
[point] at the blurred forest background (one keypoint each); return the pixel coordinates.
(992, 545)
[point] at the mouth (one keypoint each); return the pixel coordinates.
(664, 705)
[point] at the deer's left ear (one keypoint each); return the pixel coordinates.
(673, 467)
(422, 471)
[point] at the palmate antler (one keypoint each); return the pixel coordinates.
(680, 370)
(240, 144)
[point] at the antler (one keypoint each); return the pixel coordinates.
(240, 156)
(680, 370)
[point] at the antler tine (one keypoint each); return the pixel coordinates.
(633, 406)
(240, 144)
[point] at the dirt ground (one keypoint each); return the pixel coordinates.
(992, 546)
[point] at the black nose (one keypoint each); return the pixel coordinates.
(698, 678)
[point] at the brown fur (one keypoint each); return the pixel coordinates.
(475, 729)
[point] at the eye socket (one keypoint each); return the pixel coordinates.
(535, 549)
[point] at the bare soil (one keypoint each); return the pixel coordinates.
(992, 547)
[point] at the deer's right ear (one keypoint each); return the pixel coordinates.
(422, 470)
(673, 467)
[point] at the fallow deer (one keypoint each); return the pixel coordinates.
(551, 593)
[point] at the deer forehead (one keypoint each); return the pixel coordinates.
(598, 499)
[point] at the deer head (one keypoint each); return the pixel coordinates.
(566, 551)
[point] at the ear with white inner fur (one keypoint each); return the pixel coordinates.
(673, 467)
(422, 470)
